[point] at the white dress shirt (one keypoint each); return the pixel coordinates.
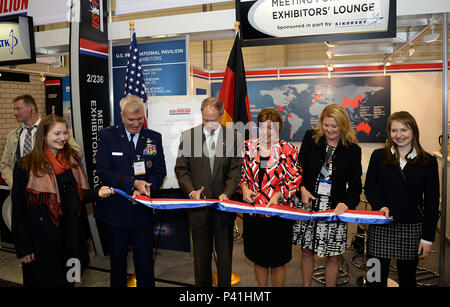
(210, 137)
(135, 138)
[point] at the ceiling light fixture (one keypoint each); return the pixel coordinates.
(411, 50)
(330, 68)
(429, 38)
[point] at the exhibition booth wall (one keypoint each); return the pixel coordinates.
(416, 88)
(413, 90)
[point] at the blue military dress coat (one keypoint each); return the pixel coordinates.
(115, 168)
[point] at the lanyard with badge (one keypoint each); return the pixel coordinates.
(139, 166)
(138, 163)
(325, 172)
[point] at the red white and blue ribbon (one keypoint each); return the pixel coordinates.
(349, 216)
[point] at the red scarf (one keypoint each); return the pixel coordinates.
(58, 163)
(43, 188)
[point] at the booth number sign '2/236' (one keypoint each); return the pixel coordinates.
(91, 78)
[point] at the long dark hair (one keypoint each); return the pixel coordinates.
(36, 160)
(407, 120)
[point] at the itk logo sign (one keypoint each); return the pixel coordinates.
(9, 42)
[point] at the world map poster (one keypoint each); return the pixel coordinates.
(300, 102)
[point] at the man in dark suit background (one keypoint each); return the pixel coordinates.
(209, 166)
(130, 158)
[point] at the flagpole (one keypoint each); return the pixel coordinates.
(131, 281)
(132, 31)
(131, 24)
(237, 24)
(235, 277)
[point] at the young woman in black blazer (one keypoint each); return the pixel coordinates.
(331, 161)
(49, 222)
(402, 180)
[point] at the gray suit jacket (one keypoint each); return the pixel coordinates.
(192, 166)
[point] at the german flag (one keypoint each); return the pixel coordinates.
(233, 92)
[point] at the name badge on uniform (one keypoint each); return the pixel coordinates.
(139, 166)
(324, 187)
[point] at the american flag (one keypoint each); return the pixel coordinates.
(134, 78)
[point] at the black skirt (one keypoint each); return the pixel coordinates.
(398, 241)
(268, 240)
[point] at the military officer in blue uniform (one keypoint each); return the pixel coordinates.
(130, 158)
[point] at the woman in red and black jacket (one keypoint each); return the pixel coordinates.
(270, 175)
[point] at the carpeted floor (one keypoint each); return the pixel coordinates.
(176, 269)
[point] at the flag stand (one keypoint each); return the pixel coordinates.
(235, 277)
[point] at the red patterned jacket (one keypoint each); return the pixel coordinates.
(284, 172)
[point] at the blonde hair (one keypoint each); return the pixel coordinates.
(132, 103)
(343, 121)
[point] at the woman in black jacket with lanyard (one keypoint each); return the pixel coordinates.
(331, 162)
(402, 180)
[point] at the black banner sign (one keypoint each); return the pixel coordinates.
(93, 80)
(90, 87)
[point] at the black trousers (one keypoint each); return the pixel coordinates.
(211, 227)
(406, 270)
(141, 239)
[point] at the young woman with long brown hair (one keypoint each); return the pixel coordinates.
(48, 217)
(402, 181)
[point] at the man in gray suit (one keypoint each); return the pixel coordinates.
(209, 166)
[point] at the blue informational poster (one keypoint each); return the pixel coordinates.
(301, 101)
(164, 65)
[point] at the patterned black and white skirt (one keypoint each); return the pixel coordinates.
(398, 241)
(323, 238)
